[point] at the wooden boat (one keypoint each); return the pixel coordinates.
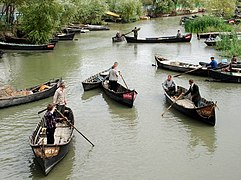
(11, 39)
(210, 42)
(48, 155)
(95, 80)
(227, 76)
(170, 39)
(123, 95)
(96, 27)
(181, 67)
(15, 46)
(115, 39)
(65, 37)
(205, 113)
(214, 34)
(9, 97)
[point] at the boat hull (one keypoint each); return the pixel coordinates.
(49, 155)
(47, 164)
(94, 81)
(66, 37)
(181, 69)
(171, 39)
(17, 100)
(204, 114)
(27, 47)
(127, 97)
(228, 77)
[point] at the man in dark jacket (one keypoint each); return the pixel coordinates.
(195, 95)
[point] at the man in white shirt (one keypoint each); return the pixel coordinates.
(113, 77)
(170, 86)
(59, 98)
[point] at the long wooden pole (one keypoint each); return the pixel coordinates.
(172, 104)
(192, 70)
(124, 81)
(75, 127)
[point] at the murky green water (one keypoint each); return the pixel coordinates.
(132, 143)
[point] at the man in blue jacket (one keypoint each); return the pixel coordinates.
(213, 64)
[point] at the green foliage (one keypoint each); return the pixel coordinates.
(40, 19)
(207, 24)
(165, 6)
(69, 10)
(229, 46)
(130, 10)
(222, 8)
(90, 11)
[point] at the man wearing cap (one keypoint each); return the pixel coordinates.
(59, 98)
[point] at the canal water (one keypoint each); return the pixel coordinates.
(130, 143)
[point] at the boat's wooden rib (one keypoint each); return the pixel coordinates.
(48, 155)
(205, 113)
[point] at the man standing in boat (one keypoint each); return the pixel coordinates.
(170, 86)
(59, 98)
(135, 31)
(113, 77)
(50, 121)
(195, 95)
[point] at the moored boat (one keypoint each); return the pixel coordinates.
(227, 76)
(65, 37)
(48, 155)
(15, 46)
(122, 95)
(96, 27)
(168, 39)
(95, 80)
(205, 113)
(211, 42)
(181, 67)
(9, 97)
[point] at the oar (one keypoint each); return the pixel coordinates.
(74, 127)
(187, 72)
(172, 104)
(124, 81)
(126, 33)
(42, 110)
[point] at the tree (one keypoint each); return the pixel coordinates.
(128, 9)
(39, 19)
(90, 11)
(8, 9)
(222, 8)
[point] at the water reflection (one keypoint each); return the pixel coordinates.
(89, 95)
(120, 111)
(200, 134)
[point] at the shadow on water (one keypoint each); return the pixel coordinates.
(120, 111)
(200, 134)
(89, 95)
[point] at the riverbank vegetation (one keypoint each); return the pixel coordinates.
(39, 19)
(207, 24)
